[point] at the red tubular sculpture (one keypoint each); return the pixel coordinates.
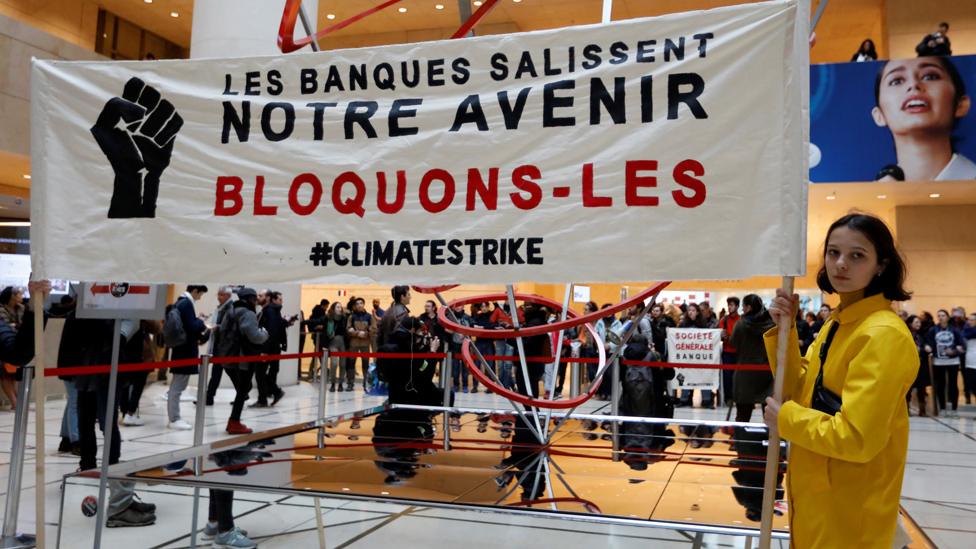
(573, 320)
(289, 17)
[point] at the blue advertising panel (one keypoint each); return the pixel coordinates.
(907, 119)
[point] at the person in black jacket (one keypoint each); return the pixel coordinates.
(433, 326)
(267, 372)
(936, 43)
(196, 334)
(644, 394)
(410, 380)
(241, 336)
(88, 342)
(751, 387)
(17, 346)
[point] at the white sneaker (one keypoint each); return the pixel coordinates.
(181, 425)
(132, 421)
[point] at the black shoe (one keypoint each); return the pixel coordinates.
(76, 449)
(259, 404)
(142, 507)
(332, 388)
(65, 445)
(277, 397)
(349, 386)
(130, 517)
(210, 401)
(340, 387)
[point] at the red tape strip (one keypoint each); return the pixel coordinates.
(145, 366)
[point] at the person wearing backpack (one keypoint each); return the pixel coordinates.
(241, 336)
(182, 318)
(644, 393)
(459, 372)
(361, 329)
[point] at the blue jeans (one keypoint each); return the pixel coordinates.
(505, 366)
(69, 420)
(459, 373)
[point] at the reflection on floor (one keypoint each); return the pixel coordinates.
(939, 490)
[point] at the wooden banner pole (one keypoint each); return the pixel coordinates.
(37, 303)
(772, 452)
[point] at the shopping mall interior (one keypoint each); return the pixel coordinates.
(338, 467)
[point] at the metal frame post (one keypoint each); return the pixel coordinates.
(109, 426)
(307, 24)
(574, 379)
(615, 404)
(198, 427)
(15, 472)
(323, 379)
(446, 373)
(510, 289)
(551, 386)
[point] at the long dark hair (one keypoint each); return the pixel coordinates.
(871, 51)
(891, 281)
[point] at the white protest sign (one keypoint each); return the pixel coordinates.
(595, 153)
(695, 346)
(120, 300)
(581, 294)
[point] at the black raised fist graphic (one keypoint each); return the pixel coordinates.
(136, 132)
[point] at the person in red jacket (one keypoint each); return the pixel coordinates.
(727, 324)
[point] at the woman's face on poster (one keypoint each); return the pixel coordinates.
(918, 96)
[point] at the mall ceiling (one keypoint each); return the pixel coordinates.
(422, 20)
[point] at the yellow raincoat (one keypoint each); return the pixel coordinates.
(845, 471)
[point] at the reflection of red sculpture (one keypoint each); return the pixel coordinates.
(587, 504)
(573, 319)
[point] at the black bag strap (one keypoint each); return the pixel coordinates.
(823, 352)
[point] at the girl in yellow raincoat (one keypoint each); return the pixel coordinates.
(849, 429)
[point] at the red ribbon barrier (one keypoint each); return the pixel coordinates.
(141, 366)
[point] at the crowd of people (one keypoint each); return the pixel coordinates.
(251, 324)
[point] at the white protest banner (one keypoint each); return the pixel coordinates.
(695, 346)
(596, 153)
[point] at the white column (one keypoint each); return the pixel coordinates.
(239, 28)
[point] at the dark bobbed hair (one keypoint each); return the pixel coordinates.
(592, 306)
(754, 302)
(197, 288)
(733, 299)
(6, 295)
(957, 82)
(398, 292)
(891, 281)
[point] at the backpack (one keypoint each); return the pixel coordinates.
(229, 342)
(458, 338)
(174, 334)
